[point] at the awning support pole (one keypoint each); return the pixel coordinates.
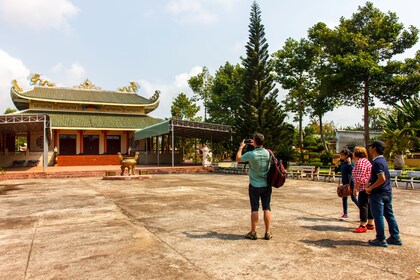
(173, 145)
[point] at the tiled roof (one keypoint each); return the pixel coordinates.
(84, 96)
(76, 120)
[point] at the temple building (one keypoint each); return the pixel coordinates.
(86, 125)
(83, 120)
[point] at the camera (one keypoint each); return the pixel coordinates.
(248, 145)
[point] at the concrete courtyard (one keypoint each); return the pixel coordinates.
(191, 226)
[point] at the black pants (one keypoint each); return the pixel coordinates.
(365, 212)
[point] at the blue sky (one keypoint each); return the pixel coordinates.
(159, 43)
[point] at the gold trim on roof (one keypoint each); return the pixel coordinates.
(16, 86)
(133, 87)
(35, 79)
(87, 84)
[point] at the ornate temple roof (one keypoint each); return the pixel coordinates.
(81, 95)
(95, 121)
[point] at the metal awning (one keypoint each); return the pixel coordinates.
(186, 129)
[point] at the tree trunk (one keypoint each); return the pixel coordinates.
(366, 112)
(399, 163)
(321, 132)
(300, 128)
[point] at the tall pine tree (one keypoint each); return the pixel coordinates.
(260, 111)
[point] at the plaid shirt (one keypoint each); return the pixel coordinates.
(361, 173)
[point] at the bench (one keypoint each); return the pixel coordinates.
(33, 162)
(327, 172)
(411, 181)
(241, 168)
(231, 167)
(300, 171)
(19, 163)
(394, 176)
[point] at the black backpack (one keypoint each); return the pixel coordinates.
(277, 173)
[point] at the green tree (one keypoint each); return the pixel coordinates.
(201, 86)
(328, 128)
(293, 65)
(184, 108)
(402, 130)
(9, 111)
(225, 98)
(360, 50)
(260, 111)
(375, 118)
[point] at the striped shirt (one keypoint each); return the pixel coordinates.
(361, 173)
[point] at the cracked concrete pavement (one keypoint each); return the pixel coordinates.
(191, 226)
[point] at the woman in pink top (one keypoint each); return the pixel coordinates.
(361, 175)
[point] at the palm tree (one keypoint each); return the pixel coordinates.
(402, 130)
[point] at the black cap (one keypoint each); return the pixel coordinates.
(377, 144)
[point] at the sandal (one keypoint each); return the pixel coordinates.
(251, 235)
(268, 236)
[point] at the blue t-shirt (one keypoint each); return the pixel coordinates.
(258, 166)
(379, 166)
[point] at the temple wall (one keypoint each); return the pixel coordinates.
(11, 159)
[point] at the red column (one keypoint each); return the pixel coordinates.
(55, 138)
(105, 132)
(127, 133)
(81, 132)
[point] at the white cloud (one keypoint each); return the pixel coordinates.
(169, 91)
(199, 11)
(75, 75)
(10, 69)
(68, 76)
(38, 15)
(57, 68)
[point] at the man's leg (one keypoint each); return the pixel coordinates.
(390, 218)
(267, 220)
(265, 201)
(254, 221)
(377, 208)
(254, 201)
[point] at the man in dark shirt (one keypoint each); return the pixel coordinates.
(380, 198)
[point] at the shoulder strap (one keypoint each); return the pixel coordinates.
(272, 155)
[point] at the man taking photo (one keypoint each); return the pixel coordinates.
(258, 160)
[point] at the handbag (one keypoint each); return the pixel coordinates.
(276, 175)
(344, 190)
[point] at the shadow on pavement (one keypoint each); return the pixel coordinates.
(214, 234)
(316, 219)
(329, 228)
(328, 243)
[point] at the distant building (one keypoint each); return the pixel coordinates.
(350, 139)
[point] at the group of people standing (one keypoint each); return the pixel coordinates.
(371, 192)
(370, 184)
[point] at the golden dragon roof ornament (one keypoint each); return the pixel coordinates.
(35, 79)
(133, 87)
(88, 85)
(16, 86)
